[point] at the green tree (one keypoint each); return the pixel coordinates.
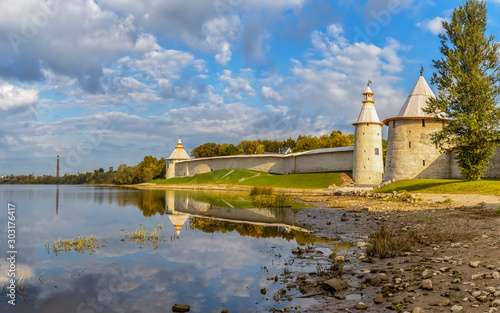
(467, 78)
(209, 149)
(305, 143)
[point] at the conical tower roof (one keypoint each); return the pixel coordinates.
(368, 113)
(416, 102)
(179, 153)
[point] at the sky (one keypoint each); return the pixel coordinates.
(104, 83)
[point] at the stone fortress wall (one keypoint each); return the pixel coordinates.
(321, 160)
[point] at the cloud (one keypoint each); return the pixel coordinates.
(435, 26)
(238, 88)
(267, 93)
(14, 98)
(324, 87)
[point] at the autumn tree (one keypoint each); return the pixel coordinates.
(467, 78)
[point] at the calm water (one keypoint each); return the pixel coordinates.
(213, 254)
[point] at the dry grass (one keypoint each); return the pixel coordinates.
(261, 190)
(386, 243)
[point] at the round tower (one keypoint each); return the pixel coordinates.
(368, 164)
(178, 154)
(410, 151)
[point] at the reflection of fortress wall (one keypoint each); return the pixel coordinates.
(179, 203)
(321, 160)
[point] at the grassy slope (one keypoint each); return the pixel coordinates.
(256, 178)
(485, 186)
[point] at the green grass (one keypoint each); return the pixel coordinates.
(451, 186)
(256, 178)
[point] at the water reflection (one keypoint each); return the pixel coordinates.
(216, 264)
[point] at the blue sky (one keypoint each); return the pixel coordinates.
(104, 83)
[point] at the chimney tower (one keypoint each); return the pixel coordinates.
(57, 175)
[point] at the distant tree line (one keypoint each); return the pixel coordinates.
(150, 168)
(303, 143)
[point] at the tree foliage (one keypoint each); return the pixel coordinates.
(303, 143)
(467, 78)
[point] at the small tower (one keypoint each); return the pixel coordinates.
(368, 163)
(410, 151)
(177, 155)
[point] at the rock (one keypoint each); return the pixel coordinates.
(178, 307)
(490, 289)
(426, 274)
(339, 297)
(361, 306)
(477, 276)
(263, 291)
(495, 275)
(379, 299)
(457, 308)
(417, 310)
(335, 284)
(426, 284)
(474, 264)
(224, 311)
(444, 302)
(382, 277)
(496, 303)
(339, 258)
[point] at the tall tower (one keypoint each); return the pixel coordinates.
(410, 151)
(368, 163)
(177, 155)
(57, 174)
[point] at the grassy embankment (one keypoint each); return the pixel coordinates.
(446, 186)
(256, 178)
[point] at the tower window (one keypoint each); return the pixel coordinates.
(423, 162)
(409, 145)
(423, 123)
(376, 151)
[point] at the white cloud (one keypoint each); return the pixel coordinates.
(268, 93)
(12, 97)
(325, 88)
(239, 87)
(435, 26)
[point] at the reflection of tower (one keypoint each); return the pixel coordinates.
(177, 218)
(57, 174)
(57, 200)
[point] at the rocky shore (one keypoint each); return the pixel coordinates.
(454, 266)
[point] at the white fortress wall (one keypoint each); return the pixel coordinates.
(320, 160)
(325, 160)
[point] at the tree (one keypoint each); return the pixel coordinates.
(306, 143)
(467, 78)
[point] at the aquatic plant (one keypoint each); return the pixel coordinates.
(80, 245)
(144, 236)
